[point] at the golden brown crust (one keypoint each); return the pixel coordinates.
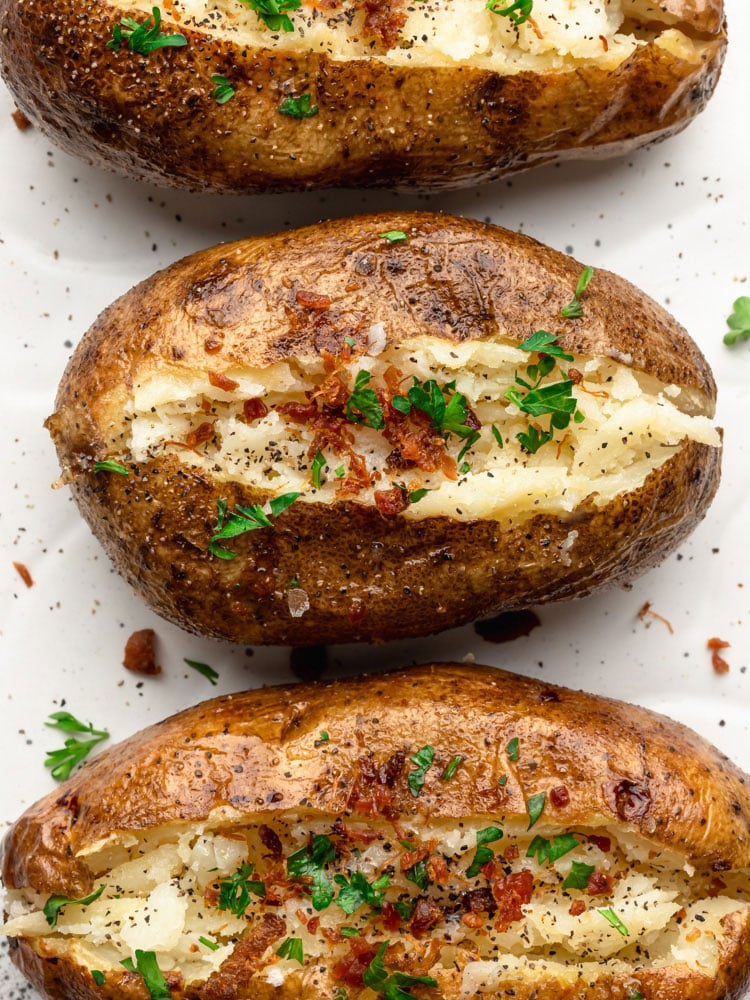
(623, 765)
(154, 118)
(367, 577)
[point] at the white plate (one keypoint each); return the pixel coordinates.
(674, 219)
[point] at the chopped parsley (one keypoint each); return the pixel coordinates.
(229, 524)
(574, 309)
(418, 875)
(484, 854)
(423, 760)
(310, 863)
(535, 805)
(394, 236)
(55, 904)
(546, 850)
(298, 107)
(413, 496)
(555, 399)
(234, 892)
(223, 89)
(213, 945)
(292, 949)
(405, 907)
(273, 13)
(497, 435)
(578, 876)
(98, 976)
(148, 967)
(324, 737)
(61, 762)
(358, 891)
(739, 321)
(512, 749)
(363, 406)
(519, 11)
(348, 932)
(611, 917)
(317, 467)
(203, 668)
(453, 766)
(340, 472)
(393, 986)
(110, 466)
(143, 38)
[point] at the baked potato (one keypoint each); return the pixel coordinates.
(382, 426)
(441, 832)
(252, 95)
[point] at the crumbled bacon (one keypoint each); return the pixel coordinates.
(359, 836)
(254, 409)
(393, 377)
(603, 843)
(20, 120)
(23, 572)
(393, 501)
(511, 852)
(426, 914)
(270, 840)
(312, 300)
(599, 884)
(298, 413)
(390, 771)
(511, 893)
(213, 344)
(383, 20)
(410, 858)
(358, 477)
(715, 886)
(139, 653)
(220, 381)
(391, 917)
(203, 432)
(559, 797)
(479, 901)
(437, 869)
(718, 662)
(577, 907)
(351, 968)
(333, 392)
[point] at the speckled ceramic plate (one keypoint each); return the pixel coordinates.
(674, 219)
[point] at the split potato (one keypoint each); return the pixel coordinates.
(383, 426)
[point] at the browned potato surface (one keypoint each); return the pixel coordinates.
(220, 382)
(614, 856)
(434, 94)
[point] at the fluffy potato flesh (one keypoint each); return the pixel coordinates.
(332, 428)
(477, 902)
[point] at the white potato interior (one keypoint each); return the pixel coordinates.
(162, 895)
(560, 35)
(631, 425)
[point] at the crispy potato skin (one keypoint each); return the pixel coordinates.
(154, 118)
(368, 577)
(265, 760)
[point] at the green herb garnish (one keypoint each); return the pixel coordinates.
(423, 760)
(405, 907)
(273, 13)
(203, 668)
(61, 762)
(292, 949)
(502, 780)
(453, 766)
(213, 945)
(363, 406)
(739, 321)
(324, 737)
(340, 472)
(394, 236)
(578, 876)
(545, 343)
(636, 995)
(535, 805)
(223, 89)
(148, 967)
(418, 875)
(546, 850)
(298, 107)
(229, 524)
(611, 917)
(98, 976)
(393, 986)
(519, 11)
(348, 932)
(358, 891)
(484, 854)
(110, 466)
(310, 863)
(317, 466)
(512, 749)
(497, 435)
(555, 400)
(55, 904)
(234, 892)
(143, 38)
(573, 309)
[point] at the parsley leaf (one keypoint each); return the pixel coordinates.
(348, 932)
(110, 466)
(394, 236)
(423, 760)
(739, 321)
(74, 751)
(578, 876)
(223, 89)
(273, 13)
(298, 107)
(453, 766)
(292, 949)
(229, 524)
(535, 805)
(358, 891)
(203, 668)
(544, 343)
(148, 967)
(394, 986)
(208, 943)
(98, 976)
(418, 875)
(611, 917)
(519, 11)
(573, 309)
(363, 406)
(512, 749)
(143, 38)
(483, 854)
(234, 892)
(317, 466)
(546, 850)
(55, 904)
(636, 995)
(310, 863)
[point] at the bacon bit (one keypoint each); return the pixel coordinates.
(391, 502)
(426, 914)
(358, 477)
(646, 610)
(605, 44)
(681, 914)
(577, 907)
(301, 916)
(511, 852)
(692, 935)
(139, 653)
(23, 572)
(270, 840)
(311, 300)
(559, 797)
(331, 936)
(449, 468)
(718, 662)
(356, 611)
(312, 925)
(20, 120)
(206, 405)
(355, 836)
(393, 377)
(437, 869)
(472, 920)
(577, 379)
(599, 884)
(411, 858)
(333, 392)
(575, 376)
(171, 8)
(219, 381)
(603, 843)
(383, 21)
(213, 344)
(353, 965)
(298, 413)
(511, 893)
(479, 901)
(391, 917)
(715, 886)
(204, 432)
(193, 948)
(254, 409)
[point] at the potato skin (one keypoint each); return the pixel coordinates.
(154, 118)
(689, 796)
(367, 577)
